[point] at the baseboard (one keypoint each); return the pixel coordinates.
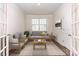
(64, 49)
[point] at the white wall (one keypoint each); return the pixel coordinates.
(64, 12)
(15, 19)
(48, 17)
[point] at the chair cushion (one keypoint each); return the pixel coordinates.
(38, 33)
(14, 41)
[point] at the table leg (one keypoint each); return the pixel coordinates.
(45, 46)
(34, 46)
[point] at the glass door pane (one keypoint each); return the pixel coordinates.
(1, 5)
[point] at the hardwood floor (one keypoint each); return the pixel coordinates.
(52, 50)
(63, 48)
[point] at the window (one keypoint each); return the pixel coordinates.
(39, 24)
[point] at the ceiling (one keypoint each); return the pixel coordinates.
(36, 9)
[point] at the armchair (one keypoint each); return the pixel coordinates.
(17, 42)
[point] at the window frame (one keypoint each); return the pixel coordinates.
(39, 29)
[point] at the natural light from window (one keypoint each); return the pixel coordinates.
(39, 24)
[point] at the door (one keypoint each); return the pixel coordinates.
(3, 30)
(75, 29)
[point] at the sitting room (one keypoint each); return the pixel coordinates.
(35, 29)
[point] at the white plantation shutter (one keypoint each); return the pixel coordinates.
(39, 24)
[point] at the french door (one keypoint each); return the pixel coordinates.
(3, 30)
(75, 29)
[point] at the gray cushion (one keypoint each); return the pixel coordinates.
(37, 33)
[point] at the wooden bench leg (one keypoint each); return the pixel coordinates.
(45, 46)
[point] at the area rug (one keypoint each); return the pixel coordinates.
(41, 51)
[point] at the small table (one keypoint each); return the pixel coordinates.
(39, 42)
